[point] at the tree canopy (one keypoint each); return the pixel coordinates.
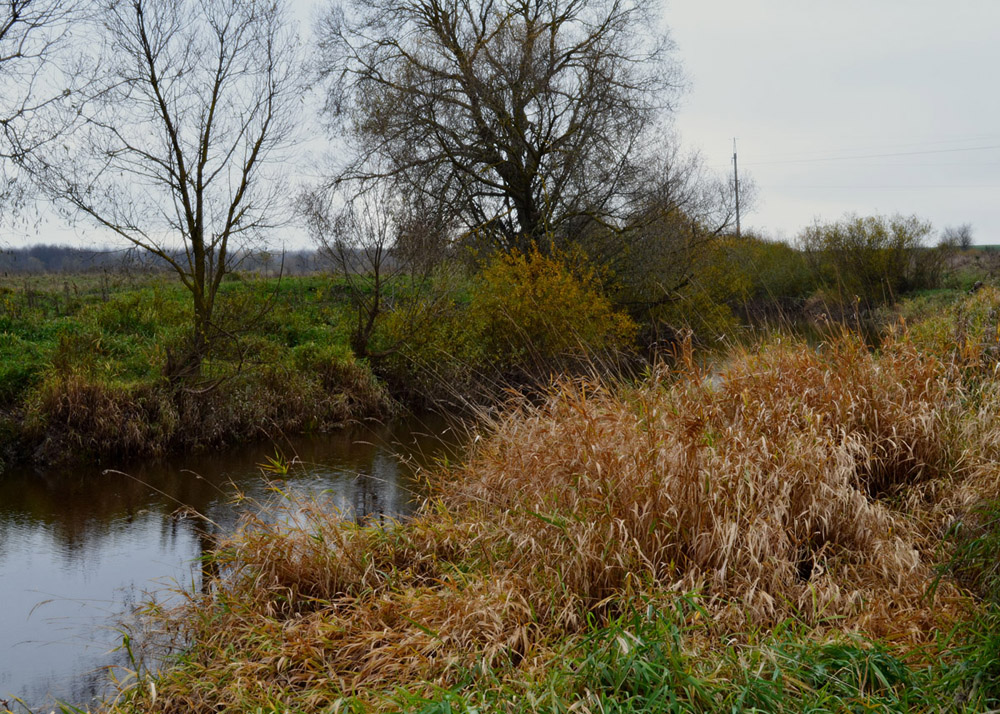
(32, 34)
(522, 117)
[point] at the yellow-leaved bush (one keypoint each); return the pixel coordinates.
(523, 313)
(532, 308)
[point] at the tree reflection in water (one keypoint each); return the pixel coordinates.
(81, 550)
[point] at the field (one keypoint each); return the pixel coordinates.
(805, 528)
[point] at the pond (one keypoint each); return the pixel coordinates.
(81, 552)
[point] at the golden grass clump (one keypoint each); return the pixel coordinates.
(774, 488)
(797, 482)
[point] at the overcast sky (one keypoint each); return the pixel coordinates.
(874, 106)
(865, 106)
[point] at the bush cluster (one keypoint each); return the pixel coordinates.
(522, 316)
(530, 308)
(874, 258)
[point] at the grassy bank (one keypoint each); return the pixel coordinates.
(808, 529)
(85, 366)
(95, 367)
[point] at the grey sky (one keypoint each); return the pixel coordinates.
(804, 85)
(866, 106)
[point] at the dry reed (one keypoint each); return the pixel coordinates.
(797, 482)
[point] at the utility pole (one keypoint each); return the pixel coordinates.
(736, 186)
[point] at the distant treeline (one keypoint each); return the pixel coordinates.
(44, 258)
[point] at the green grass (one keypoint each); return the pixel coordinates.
(78, 353)
(661, 659)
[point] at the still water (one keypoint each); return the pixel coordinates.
(81, 552)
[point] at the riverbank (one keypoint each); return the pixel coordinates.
(810, 530)
(85, 368)
(92, 548)
(99, 373)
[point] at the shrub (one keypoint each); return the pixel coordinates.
(776, 272)
(531, 308)
(424, 346)
(20, 367)
(342, 376)
(966, 333)
(704, 302)
(725, 277)
(873, 258)
(524, 315)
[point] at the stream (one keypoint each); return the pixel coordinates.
(83, 551)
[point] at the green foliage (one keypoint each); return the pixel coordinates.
(976, 542)
(964, 329)
(643, 662)
(319, 357)
(428, 341)
(708, 284)
(873, 258)
(775, 271)
(83, 368)
(21, 365)
(666, 658)
(704, 302)
(524, 314)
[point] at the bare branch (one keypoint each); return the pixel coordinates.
(170, 147)
(531, 113)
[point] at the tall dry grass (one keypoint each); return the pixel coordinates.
(782, 485)
(797, 482)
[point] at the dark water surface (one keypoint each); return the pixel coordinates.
(82, 551)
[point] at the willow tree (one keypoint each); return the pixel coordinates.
(522, 117)
(175, 144)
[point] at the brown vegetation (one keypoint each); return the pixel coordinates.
(796, 483)
(72, 416)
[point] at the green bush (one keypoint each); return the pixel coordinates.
(426, 344)
(775, 271)
(523, 315)
(872, 258)
(965, 332)
(704, 302)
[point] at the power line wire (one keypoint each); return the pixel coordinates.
(886, 147)
(872, 156)
(883, 187)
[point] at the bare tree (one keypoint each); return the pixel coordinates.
(520, 116)
(32, 33)
(958, 236)
(380, 244)
(176, 147)
(676, 207)
(359, 238)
